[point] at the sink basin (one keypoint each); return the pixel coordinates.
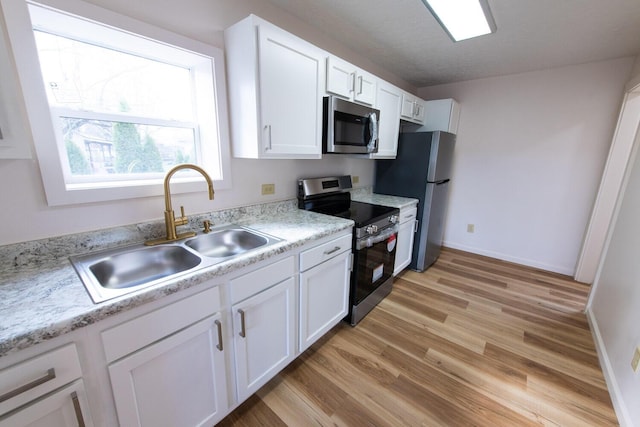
(141, 266)
(108, 274)
(226, 243)
(116, 272)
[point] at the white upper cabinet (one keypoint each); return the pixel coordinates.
(389, 101)
(275, 86)
(412, 108)
(350, 82)
(442, 114)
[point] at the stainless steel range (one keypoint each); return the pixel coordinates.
(374, 238)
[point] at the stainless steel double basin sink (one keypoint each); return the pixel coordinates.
(116, 272)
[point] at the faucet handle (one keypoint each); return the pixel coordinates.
(182, 220)
(207, 226)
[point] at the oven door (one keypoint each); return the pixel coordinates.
(349, 127)
(374, 259)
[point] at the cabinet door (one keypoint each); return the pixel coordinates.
(412, 108)
(405, 246)
(388, 102)
(290, 95)
(340, 77)
(364, 90)
(324, 294)
(178, 381)
(419, 111)
(65, 408)
(442, 114)
(264, 336)
(408, 106)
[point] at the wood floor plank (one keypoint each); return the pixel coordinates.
(472, 341)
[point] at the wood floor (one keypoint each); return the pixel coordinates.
(470, 342)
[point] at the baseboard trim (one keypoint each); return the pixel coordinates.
(612, 385)
(522, 261)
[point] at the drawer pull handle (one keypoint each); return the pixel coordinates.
(243, 331)
(219, 345)
(77, 409)
(336, 249)
(51, 374)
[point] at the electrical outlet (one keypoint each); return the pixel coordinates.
(471, 228)
(268, 189)
(636, 359)
(355, 179)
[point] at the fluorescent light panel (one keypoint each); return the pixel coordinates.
(462, 19)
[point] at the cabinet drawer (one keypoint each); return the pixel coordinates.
(324, 252)
(251, 283)
(408, 214)
(26, 381)
(148, 328)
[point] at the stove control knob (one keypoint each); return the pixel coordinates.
(393, 219)
(371, 229)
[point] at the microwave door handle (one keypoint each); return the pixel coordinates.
(373, 131)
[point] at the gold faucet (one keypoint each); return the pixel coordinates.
(170, 220)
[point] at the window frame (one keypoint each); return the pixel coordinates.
(41, 116)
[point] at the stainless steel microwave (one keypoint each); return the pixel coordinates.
(348, 127)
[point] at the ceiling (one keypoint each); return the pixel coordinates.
(404, 38)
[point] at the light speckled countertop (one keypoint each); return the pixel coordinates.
(42, 297)
(382, 199)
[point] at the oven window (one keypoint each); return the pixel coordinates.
(373, 267)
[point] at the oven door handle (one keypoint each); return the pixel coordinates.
(367, 242)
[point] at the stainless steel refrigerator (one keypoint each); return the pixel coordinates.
(421, 170)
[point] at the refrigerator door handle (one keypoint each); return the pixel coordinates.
(415, 226)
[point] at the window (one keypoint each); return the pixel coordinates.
(125, 102)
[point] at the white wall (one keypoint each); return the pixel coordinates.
(25, 215)
(614, 308)
(529, 156)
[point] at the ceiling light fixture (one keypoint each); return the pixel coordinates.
(462, 19)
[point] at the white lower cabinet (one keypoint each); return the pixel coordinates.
(180, 364)
(179, 380)
(324, 296)
(66, 407)
(46, 390)
(406, 235)
(263, 326)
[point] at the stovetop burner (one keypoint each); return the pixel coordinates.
(365, 213)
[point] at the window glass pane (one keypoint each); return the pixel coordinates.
(108, 148)
(87, 77)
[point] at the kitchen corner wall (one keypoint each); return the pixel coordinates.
(615, 304)
(25, 215)
(529, 156)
